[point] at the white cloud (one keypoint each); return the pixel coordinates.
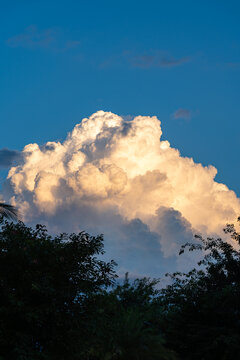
(119, 178)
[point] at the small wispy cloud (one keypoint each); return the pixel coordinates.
(34, 38)
(72, 44)
(233, 65)
(8, 157)
(182, 114)
(150, 59)
(171, 62)
(159, 59)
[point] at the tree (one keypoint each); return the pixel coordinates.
(8, 211)
(201, 309)
(126, 324)
(44, 286)
(58, 300)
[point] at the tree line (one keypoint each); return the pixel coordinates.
(60, 300)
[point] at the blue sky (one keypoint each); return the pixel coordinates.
(179, 60)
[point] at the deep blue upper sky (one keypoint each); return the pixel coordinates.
(63, 60)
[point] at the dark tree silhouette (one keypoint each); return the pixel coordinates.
(126, 324)
(58, 301)
(44, 285)
(201, 309)
(8, 211)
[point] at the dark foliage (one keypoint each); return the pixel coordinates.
(44, 283)
(126, 324)
(57, 301)
(8, 211)
(201, 309)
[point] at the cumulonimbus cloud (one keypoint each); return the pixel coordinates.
(119, 178)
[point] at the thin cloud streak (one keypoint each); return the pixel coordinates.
(153, 59)
(182, 114)
(171, 62)
(33, 38)
(233, 65)
(149, 61)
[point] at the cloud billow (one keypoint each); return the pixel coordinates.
(119, 178)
